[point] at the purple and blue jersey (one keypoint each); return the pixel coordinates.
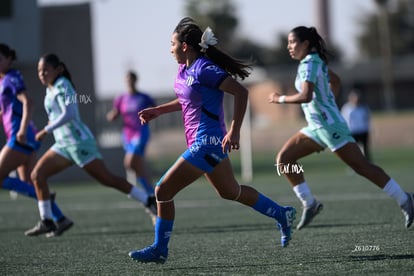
(202, 101)
(197, 89)
(12, 110)
(134, 135)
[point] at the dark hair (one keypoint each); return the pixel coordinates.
(6, 51)
(315, 40)
(54, 61)
(189, 32)
(132, 75)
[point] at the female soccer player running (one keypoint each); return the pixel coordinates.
(134, 135)
(326, 127)
(204, 74)
(19, 153)
(74, 143)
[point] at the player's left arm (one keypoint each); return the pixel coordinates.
(27, 104)
(240, 95)
(68, 112)
(334, 82)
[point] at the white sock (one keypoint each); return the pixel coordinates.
(304, 194)
(394, 190)
(139, 195)
(45, 209)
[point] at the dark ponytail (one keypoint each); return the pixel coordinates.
(315, 41)
(6, 51)
(54, 61)
(189, 32)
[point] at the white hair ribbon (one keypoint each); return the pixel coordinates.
(207, 39)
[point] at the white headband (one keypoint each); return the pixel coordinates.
(207, 39)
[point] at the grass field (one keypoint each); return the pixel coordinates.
(360, 231)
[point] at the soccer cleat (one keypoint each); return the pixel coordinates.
(285, 225)
(42, 227)
(309, 213)
(149, 254)
(61, 226)
(13, 195)
(151, 208)
(408, 210)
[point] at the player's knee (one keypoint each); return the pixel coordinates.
(163, 195)
(232, 194)
(282, 157)
(36, 176)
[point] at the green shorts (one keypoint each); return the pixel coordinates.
(81, 154)
(333, 136)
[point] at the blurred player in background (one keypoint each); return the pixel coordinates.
(358, 116)
(205, 73)
(326, 127)
(19, 153)
(74, 144)
(134, 135)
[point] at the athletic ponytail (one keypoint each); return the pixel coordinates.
(315, 41)
(54, 61)
(189, 32)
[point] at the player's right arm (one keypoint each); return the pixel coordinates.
(148, 114)
(112, 115)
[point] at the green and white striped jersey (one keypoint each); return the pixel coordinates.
(57, 102)
(322, 110)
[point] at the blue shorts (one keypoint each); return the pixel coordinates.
(204, 157)
(334, 136)
(28, 148)
(137, 144)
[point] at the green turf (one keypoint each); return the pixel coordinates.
(360, 231)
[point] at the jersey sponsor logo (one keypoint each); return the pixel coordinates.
(189, 80)
(214, 68)
(336, 136)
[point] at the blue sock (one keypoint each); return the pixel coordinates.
(163, 230)
(23, 188)
(147, 187)
(56, 212)
(268, 207)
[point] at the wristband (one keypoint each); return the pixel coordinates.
(281, 99)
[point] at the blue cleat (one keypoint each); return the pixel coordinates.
(149, 254)
(285, 225)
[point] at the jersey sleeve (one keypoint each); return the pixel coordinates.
(308, 70)
(14, 83)
(117, 103)
(149, 101)
(67, 105)
(211, 75)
